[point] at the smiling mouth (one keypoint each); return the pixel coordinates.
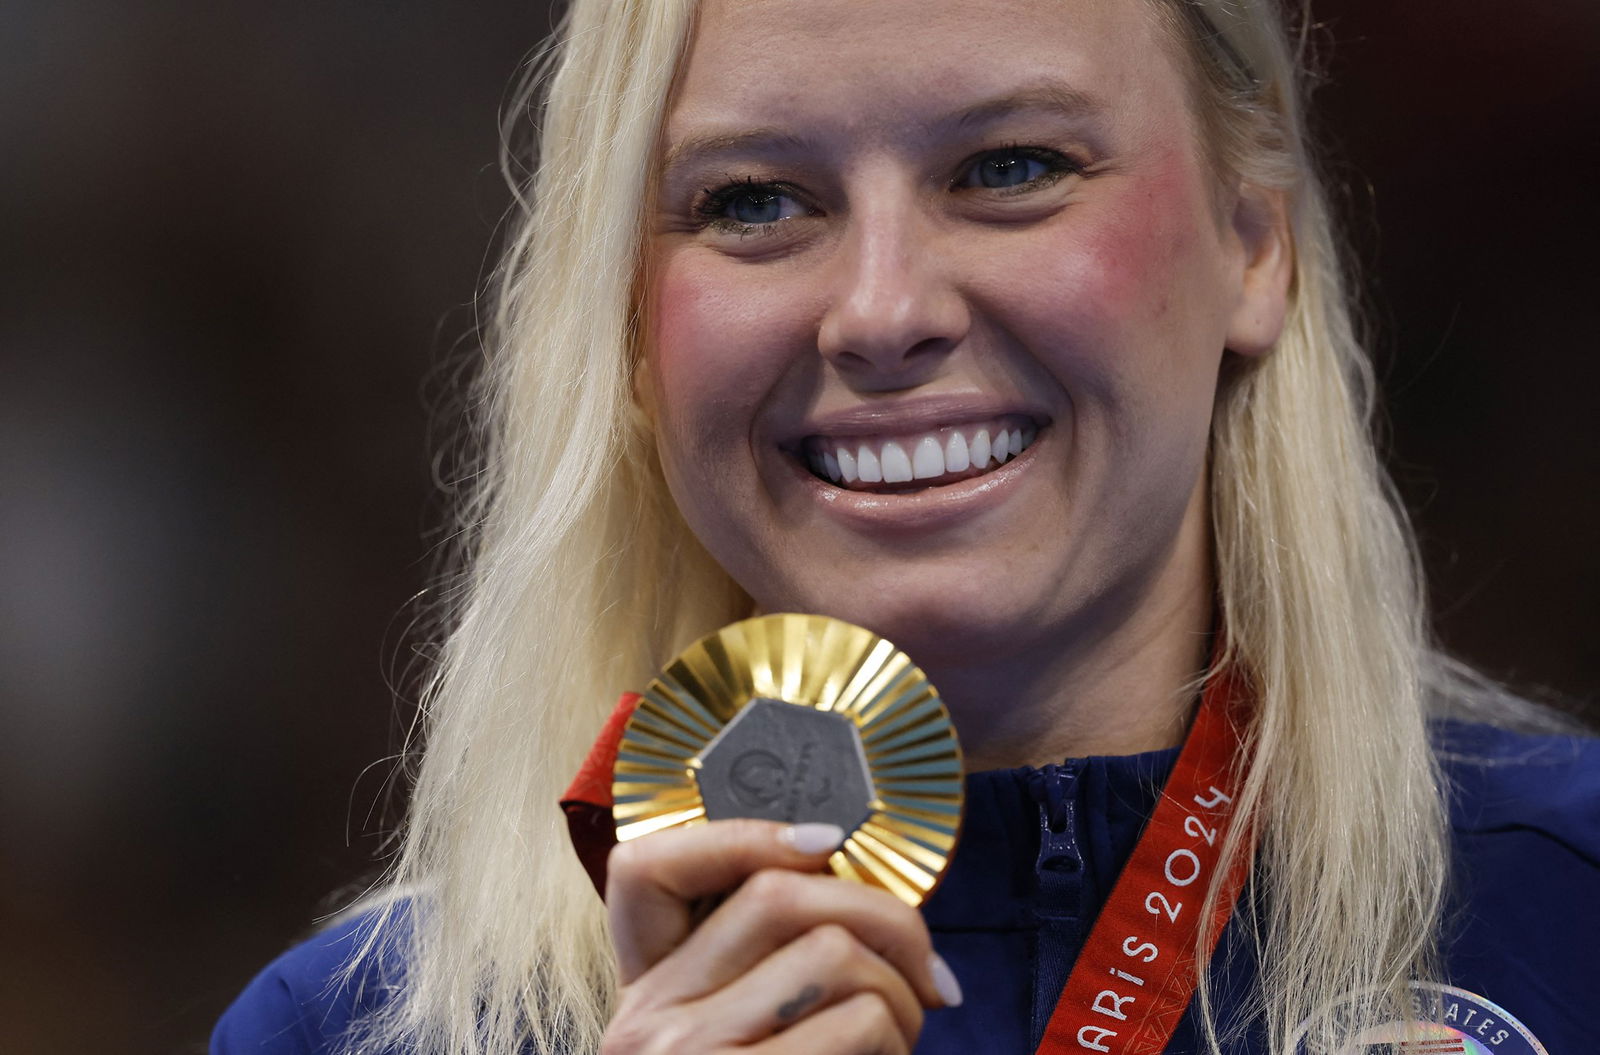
(890, 463)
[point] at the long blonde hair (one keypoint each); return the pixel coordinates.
(579, 577)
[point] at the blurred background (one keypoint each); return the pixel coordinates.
(239, 246)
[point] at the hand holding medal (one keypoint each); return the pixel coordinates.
(800, 718)
(779, 726)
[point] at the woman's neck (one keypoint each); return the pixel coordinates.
(1121, 682)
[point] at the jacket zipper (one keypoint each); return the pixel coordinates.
(1058, 903)
(1060, 865)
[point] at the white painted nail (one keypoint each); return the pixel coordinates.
(944, 980)
(813, 838)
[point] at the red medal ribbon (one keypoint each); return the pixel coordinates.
(1137, 972)
(587, 802)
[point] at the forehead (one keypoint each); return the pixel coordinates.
(878, 68)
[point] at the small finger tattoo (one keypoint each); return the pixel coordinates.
(790, 1010)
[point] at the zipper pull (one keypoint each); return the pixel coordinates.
(1059, 860)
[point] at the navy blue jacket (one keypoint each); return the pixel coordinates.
(1039, 853)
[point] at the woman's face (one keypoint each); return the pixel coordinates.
(947, 227)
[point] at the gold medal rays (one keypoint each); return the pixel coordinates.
(872, 726)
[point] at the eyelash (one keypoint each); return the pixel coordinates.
(712, 203)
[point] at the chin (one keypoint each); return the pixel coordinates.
(938, 620)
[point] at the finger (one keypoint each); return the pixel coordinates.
(652, 881)
(773, 908)
(861, 1025)
(822, 967)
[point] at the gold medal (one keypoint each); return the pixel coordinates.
(800, 718)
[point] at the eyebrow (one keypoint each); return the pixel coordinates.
(1042, 96)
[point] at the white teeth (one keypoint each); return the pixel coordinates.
(896, 466)
(980, 449)
(847, 465)
(928, 455)
(928, 461)
(955, 454)
(867, 465)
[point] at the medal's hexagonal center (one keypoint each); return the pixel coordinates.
(784, 762)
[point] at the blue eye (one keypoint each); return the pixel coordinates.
(1000, 169)
(1004, 168)
(752, 204)
(766, 208)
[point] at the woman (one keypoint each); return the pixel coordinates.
(787, 270)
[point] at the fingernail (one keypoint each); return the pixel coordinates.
(813, 838)
(944, 980)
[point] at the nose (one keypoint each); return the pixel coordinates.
(895, 314)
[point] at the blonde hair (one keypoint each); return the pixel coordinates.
(580, 577)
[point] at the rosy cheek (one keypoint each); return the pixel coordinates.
(1138, 246)
(683, 355)
(1123, 274)
(715, 355)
